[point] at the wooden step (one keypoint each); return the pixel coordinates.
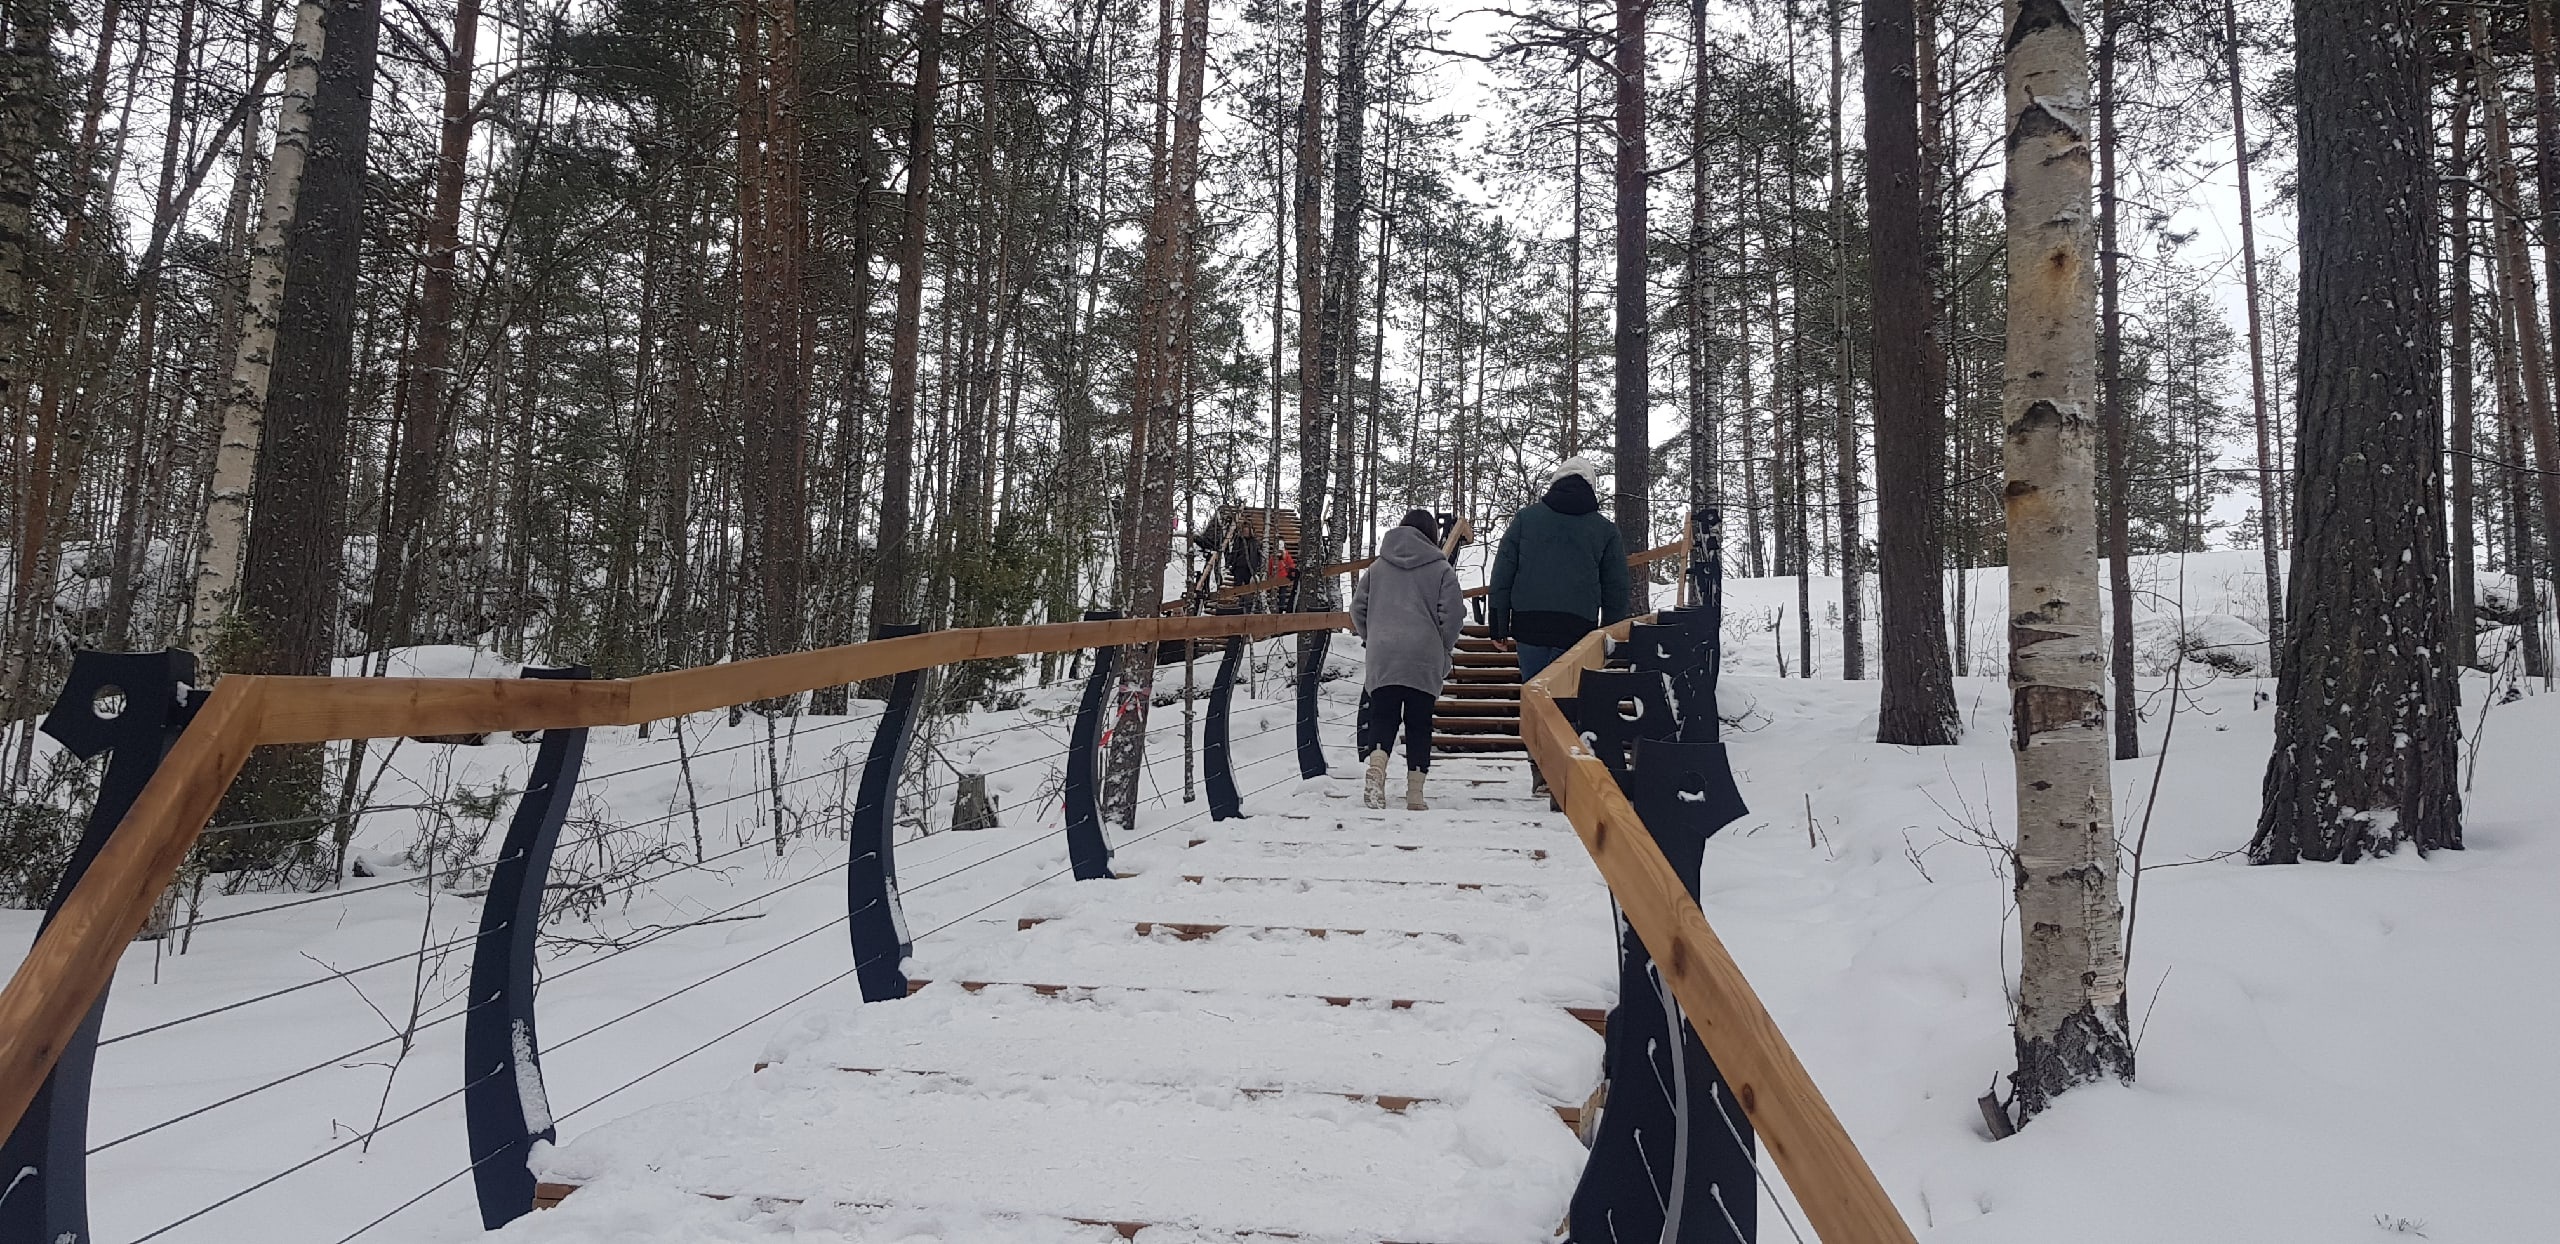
(1478, 674)
(1477, 743)
(1596, 1018)
(1535, 853)
(1391, 1103)
(1204, 879)
(550, 1195)
(1486, 660)
(1480, 691)
(1476, 723)
(1477, 708)
(1194, 931)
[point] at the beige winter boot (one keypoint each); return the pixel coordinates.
(1413, 791)
(1373, 789)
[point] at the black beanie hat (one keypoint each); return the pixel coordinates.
(1425, 522)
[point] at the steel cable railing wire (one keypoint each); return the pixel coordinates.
(617, 952)
(437, 1021)
(336, 974)
(605, 894)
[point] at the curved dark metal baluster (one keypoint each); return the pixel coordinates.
(133, 704)
(1087, 850)
(504, 1107)
(1224, 803)
(879, 921)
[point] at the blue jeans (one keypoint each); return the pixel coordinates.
(1536, 657)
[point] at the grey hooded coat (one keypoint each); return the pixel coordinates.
(1410, 610)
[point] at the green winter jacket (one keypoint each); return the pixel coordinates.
(1562, 569)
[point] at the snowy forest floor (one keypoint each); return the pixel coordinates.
(2327, 1054)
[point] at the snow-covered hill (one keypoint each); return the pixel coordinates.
(2327, 1054)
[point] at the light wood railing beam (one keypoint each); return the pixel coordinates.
(76, 955)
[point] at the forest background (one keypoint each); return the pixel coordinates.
(645, 334)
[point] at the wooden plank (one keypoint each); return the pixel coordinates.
(1391, 1103)
(1830, 1178)
(1594, 1017)
(1193, 931)
(311, 710)
(74, 958)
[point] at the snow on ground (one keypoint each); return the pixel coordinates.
(2327, 1054)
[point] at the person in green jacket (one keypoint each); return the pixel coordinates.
(1561, 571)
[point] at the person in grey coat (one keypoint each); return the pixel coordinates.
(1410, 610)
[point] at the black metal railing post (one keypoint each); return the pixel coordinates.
(1311, 655)
(1087, 850)
(504, 1107)
(133, 704)
(1655, 726)
(1224, 803)
(878, 920)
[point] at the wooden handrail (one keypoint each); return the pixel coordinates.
(76, 955)
(1830, 1178)
(1223, 595)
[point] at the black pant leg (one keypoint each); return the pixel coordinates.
(1419, 707)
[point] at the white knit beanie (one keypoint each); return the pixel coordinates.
(1584, 467)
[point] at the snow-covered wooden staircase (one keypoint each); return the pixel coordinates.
(1479, 708)
(1318, 1022)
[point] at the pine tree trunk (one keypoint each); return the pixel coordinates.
(892, 583)
(1314, 424)
(2466, 638)
(1844, 424)
(1343, 270)
(1161, 353)
(2523, 302)
(2546, 143)
(2070, 1015)
(419, 470)
(289, 584)
(1918, 701)
(244, 406)
(2268, 543)
(1704, 466)
(1632, 380)
(2367, 753)
(2112, 419)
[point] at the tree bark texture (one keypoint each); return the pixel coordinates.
(244, 406)
(289, 581)
(1338, 347)
(1844, 422)
(1314, 432)
(2269, 544)
(2070, 1018)
(1918, 701)
(2127, 722)
(420, 464)
(2367, 752)
(2460, 370)
(1632, 391)
(893, 586)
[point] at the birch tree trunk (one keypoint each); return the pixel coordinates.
(1917, 706)
(2070, 1016)
(244, 404)
(2367, 752)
